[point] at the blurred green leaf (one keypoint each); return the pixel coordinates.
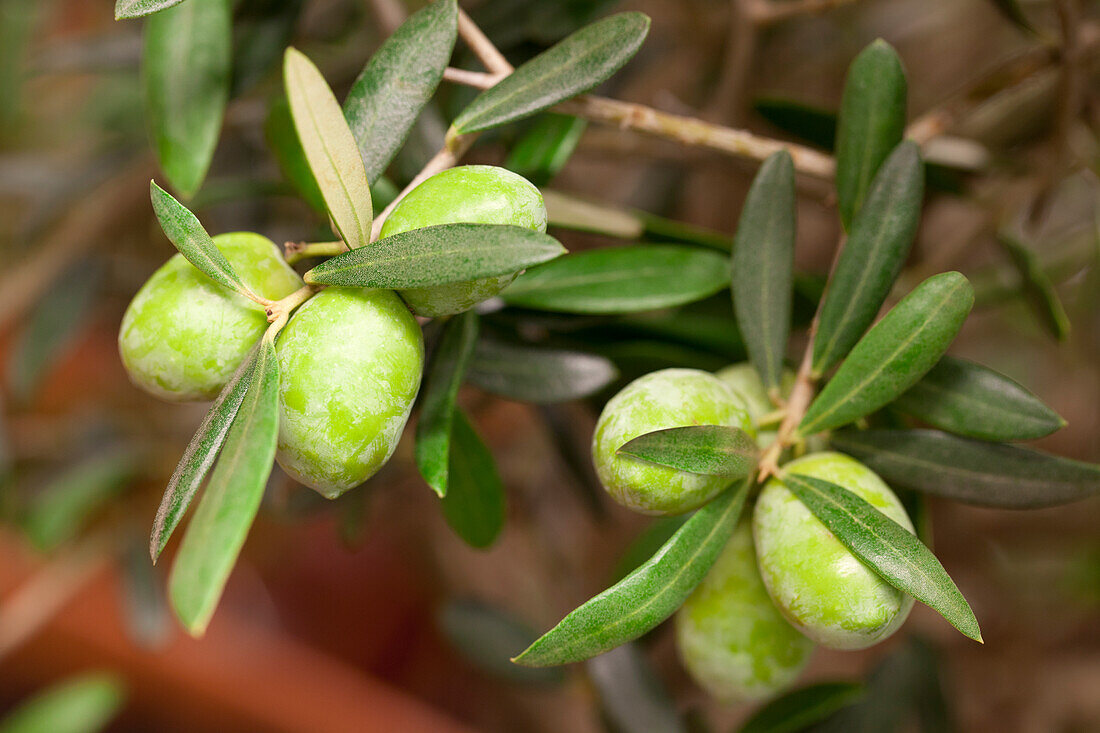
(763, 266)
(262, 29)
(577, 64)
(621, 280)
(546, 147)
(137, 8)
(474, 502)
(84, 703)
(217, 532)
(200, 454)
(282, 138)
(646, 544)
(871, 123)
(330, 149)
(488, 637)
(437, 405)
(1037, 286)
(398, 81)
(886, 547)
(871, 259)
(17, 22)
(186, 72)
(716, 450)
(647, 596)
(147, 619)
(538, 374)
(894, 354)
(438, 255)
(567, 211)
(1012, 11)
(971, 471)
(797, 710)
(631, 694)
(969, 399)
(814, 125)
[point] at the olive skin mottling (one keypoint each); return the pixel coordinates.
(184, 335)
(669, 398)
(730, 636)
(469, 194)
(350, 363)
(828, 593)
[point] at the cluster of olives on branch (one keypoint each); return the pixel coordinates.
(350, 359)
(783, 582)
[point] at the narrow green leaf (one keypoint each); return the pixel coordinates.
(60, 510)
(137, 8)
(874, 254)
(763, 266)
(716, 450)
(647, 596)
(474, 503)
(969, 399)
(262, 29)
(218, 530)
(437, 411)
(84, 703)
(187, 234)
(200, 455)
(631, 694)
(1012, 11)
(282, 138)
(622, 280)
(438, 255)
(971, 471)
(488, 637)
(576, 64)
(330, 149)
(546, 147)
(886, 547)
(871, 123)
(538, 374)
(398, 81)
(799, 709)
(1037, 286)
(186, 72)
(894, 354)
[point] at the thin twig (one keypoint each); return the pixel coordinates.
(768, 13)
(491, 58)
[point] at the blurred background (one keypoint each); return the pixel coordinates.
(368, 613)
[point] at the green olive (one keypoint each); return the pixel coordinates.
(818, 584)
(350, 363)
(731, 638)
(469, 194)
(183, 335)
(746, 382)
(670, 398)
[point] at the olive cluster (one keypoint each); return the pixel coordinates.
(783, 583)
(350, 359)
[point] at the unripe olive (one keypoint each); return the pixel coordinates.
(731, 638)
(819, 585)
(469, 194)
(350, 363)
(183, 335)
(670, 398)
(746, 382)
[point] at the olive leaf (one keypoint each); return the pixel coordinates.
(886, 547)
(330, 149)
(971, 471)
(894, 354)
(187, 234)
(763, 266)
(487, 636)
(83, 703)
(283, 141)
(800, 709)
(715, 450)
(199, 455)
(1037, 286)
(186, 74)
(398, 81)
(445, 374)
(631, 694)
(262, 29)
(438, 255)
(621, 280)
(969, 399)
(648, 595)
(538, 374)
(870, 125)
(575, 65)
(546, 147)
(217, 532)
(474, 503)
(874, 254)
(136, 8)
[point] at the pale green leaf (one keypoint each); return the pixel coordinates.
(85, 703)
